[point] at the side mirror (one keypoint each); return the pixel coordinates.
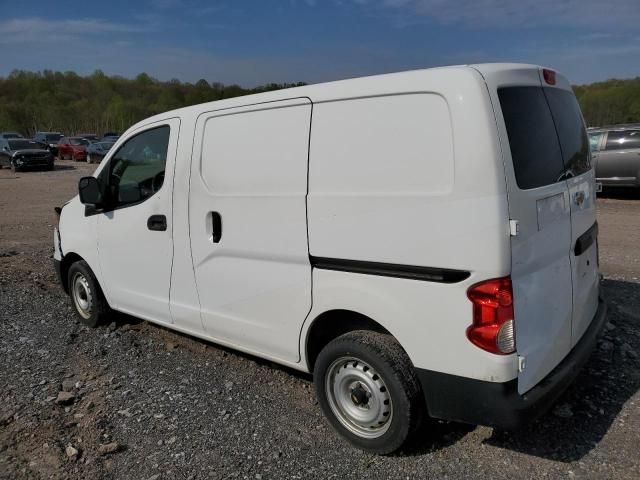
(5, 148)
(89, 190)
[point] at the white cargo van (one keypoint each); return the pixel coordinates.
(424, 242)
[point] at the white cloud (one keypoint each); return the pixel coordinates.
(515, 14)
(44, 31)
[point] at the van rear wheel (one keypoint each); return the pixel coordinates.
(86, 296)
(368, 390)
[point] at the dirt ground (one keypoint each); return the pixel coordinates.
(146, 403)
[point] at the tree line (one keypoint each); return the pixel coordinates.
(611, 102)
(70, 103)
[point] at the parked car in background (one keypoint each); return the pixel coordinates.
(10, 135)
(49, 140)
(92, 137)
(616, 154)
(20, 153)
(96, 151)
(73, 148)
(110, 134)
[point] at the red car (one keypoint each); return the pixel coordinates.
(74, 148)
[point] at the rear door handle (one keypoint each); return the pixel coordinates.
(157, 223)
(216, 227)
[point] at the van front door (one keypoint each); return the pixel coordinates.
(248, 227)
(135, 233)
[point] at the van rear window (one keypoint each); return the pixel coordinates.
(546, 134)
(574, 141)
(535, 150)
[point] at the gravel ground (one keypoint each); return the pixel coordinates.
(134, 400)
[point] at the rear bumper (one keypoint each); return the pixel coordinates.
(479, 402)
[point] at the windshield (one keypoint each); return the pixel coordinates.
(78, 141)
(594, 140)
(53, 137)
(22, 144)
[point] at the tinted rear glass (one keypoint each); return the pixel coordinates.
(547, 137)
(574, 141)
(535, 150)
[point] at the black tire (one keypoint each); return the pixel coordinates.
(98, 309)
(382, 357)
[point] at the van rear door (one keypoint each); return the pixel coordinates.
(581, 184)
(550, 194)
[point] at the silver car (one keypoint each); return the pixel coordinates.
(616, 154)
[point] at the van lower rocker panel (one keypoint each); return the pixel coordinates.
(411, 272)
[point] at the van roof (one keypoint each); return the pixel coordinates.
(353, 87)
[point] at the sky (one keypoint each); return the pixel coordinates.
(253, 42)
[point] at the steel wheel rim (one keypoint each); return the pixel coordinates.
(358, 397)
(82, 296)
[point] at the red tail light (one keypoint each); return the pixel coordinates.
(549, 76)
(492, 328)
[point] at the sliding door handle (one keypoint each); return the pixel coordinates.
(216, 227)
(157, 223)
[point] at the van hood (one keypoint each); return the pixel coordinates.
(29, 151)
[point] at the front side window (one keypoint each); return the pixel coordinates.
(623, 140)
(136, 170)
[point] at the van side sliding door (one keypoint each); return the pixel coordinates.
(248, 225)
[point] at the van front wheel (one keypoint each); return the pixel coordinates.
(368, 390)
(86, 296)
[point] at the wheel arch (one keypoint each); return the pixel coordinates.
(329, 325)
(65, 264)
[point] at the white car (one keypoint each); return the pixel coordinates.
(424, 242)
